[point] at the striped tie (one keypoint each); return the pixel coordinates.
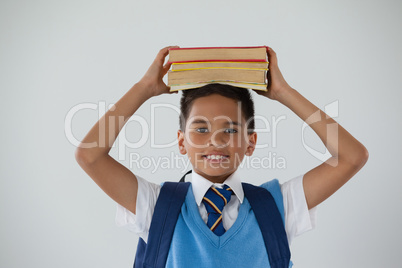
(214, 200)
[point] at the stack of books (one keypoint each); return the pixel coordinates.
(244, 67)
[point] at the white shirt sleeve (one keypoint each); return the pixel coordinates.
(140, 222)
(298, 219)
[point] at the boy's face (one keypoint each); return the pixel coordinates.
(216, 128)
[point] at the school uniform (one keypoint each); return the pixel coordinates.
(298, 219)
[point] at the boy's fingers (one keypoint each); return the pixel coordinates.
(164, 52)
(272, 56)
(166, 67)
(173, 47)
(160, 58)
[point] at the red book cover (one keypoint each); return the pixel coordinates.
(181, 48)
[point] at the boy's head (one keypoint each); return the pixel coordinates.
(216, 121)
(239, 94)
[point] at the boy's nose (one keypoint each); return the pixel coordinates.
(218, 139)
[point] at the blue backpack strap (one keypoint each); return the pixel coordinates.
(139, 255)
(167, 209)
(271, 224)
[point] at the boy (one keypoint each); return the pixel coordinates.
(216, 135)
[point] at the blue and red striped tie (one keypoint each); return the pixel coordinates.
(214, 200)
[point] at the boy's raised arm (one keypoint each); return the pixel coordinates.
(93, 152)
(348, 154)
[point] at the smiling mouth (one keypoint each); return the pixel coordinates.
(215, 158)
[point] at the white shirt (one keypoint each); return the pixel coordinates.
(298, 219)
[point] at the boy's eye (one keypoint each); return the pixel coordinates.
(205, 130)
(202, 130)
(230, 130)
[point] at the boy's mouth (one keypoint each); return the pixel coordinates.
(215, 158)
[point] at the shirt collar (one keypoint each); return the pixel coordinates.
(200, 186)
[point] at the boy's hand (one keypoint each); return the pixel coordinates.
(152, 79)
(276, 83)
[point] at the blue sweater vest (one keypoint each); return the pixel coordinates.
(194, 245)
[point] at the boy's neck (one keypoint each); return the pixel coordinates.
(214, 179)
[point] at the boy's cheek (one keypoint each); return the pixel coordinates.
(202, 142)
(235, 142)
(193, 139)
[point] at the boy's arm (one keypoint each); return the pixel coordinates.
(348, 154)
(93, 153)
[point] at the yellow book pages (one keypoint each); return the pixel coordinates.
(210, 75)
(235, 68)
(220, 65)
(261, 87)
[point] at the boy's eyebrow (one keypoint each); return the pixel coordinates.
(232, 123)
(201, 121)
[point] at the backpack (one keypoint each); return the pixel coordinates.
(154, 253)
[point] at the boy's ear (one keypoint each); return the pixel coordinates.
(180, 139)
(252, 141)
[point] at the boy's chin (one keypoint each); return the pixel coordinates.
(216, 170)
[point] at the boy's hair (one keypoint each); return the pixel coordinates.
(240, 94)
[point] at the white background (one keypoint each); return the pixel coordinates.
(55, 55)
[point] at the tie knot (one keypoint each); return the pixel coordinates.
(216, 198)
